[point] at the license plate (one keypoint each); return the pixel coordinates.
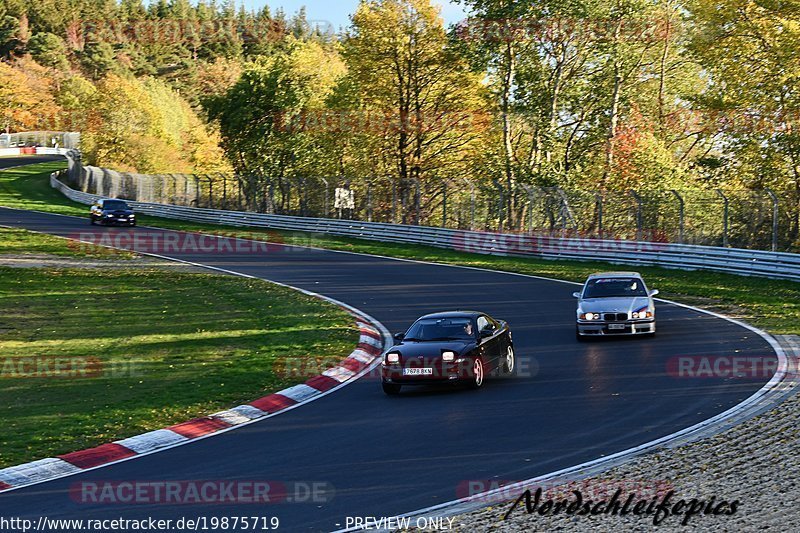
(417, 371)
(616, 326)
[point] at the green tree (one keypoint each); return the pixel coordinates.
(99, 58)
(403, 68)
(751, 51)
(258, 113)
(49, 50)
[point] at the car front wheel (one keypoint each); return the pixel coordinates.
(478, 374)
(510, 363)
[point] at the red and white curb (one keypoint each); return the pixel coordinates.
(361, 360)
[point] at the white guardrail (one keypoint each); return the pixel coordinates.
(686, 257)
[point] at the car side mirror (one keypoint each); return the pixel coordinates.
(654, 292)
(576, 295)
(399, 337)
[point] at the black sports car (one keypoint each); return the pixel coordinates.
(110, 211)
(452, 347)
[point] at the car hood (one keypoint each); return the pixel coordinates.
(431, 349)
(613, 305)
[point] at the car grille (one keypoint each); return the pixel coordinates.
(615, 317)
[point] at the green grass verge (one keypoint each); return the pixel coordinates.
(21, 242)
(773, 305)
(161, 347)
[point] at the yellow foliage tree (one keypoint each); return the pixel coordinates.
(26, 101)
(147, 127)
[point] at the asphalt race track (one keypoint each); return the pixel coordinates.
(573, 402)
(16, 161)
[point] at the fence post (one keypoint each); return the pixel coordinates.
(239, 192)
(681, 213)
(501, 205)
(302, 196)
(325, 200)
(598, 200)
(369, 201)
(639, 222)
(725, 213)
(566, 211)
(444, 203)
(416, 201)
(775, 218)
(531, 190)
(471, 203)
(224, 189)
(210, 191)
(394, 199)
(271, 192)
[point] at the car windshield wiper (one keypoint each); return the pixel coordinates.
(444, 339)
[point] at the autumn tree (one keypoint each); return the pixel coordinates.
(403, 68)
(261, 116)
(751, 50)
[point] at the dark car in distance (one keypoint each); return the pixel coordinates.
(449, 347)
(112, 212)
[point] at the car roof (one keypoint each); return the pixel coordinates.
(453, 314)
(615, 275)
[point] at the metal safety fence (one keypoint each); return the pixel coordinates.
(757, 219)
(522, 244)
(41, 139)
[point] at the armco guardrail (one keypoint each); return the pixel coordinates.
(737, 261)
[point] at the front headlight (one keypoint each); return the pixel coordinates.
(448, 357)
(644, 312)
(393, 358)
(590, 316)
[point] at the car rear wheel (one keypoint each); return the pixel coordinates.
(478, 374)
(391, 389)
(510, 363)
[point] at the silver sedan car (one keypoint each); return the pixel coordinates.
(615, 303)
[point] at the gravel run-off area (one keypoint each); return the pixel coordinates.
(755, 463)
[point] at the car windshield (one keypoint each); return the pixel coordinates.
(115, 205)
(614, 288)
(441, 329)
